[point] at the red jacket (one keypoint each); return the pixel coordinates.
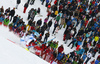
(93, 62)
(60, 7)
(81, 9)
(44, 47)
(90, 12)
(60, 49)
(55, 1)
(94, 19)
(22, 28)
(86, 22)
(49, 13)
(93, 2)
(98, 45)
(48, 50)
(32, 28)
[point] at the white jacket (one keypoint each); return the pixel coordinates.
(89, 55)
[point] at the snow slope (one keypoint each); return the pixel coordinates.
(19, 11)
(4, 32)
(11, 53)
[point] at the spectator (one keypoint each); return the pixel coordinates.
(25, 7)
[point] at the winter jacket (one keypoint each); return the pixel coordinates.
(89, 55)
(12, 12)
(97, 62)
(49, 23)
(87, 35)
(32, 15)
(98, 45)
(79, 42)
(29, 22)
(47, 1)
(2, 19)
(60, 14)
(96, 25)
(43, 47)
(35, 12)
(14, 19)
(68, 36)
(74, 62)
(30, 11)
(39, 22)
(60, 56)
(81, 51)
(18, 1)
(53, 45)
(45, 20)
(60, 49)
(55, 1)
(47, 35)
(56, 12)
(57, 18)
(96, 38)
(26, 5)
(69, 23)
(6, 21)
(84, 56)
(48, 50)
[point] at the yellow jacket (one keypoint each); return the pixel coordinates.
(96, 38)
(56, 12)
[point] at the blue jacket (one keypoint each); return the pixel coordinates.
(74, 40)
(96, 62)
(74, 19)
(79, 42)
(47, 1)
(60, 56)
(81, 51)
(96, 4)
(87, 35)
(60, 14)
(92, 28)
(16, 21)
(71, 1)
(82, 22)
(96, 25)
(69, 23)
(1, 19)
(84, 56)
